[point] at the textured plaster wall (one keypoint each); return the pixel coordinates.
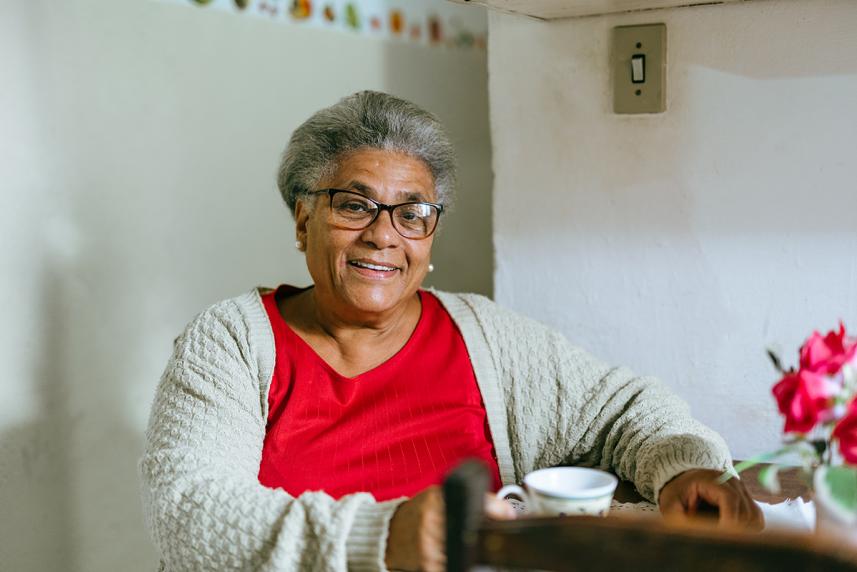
(140, 143)
(683, 244)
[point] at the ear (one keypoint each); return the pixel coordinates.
(301, 222)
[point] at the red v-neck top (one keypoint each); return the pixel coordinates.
(391, 431)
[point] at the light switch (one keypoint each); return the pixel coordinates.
(638, 59)
(638, 69)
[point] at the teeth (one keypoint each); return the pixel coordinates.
(372, 266)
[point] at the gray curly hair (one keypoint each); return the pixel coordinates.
(367, 119)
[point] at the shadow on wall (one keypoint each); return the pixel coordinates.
(160, 213)
(35, 480)
(756, 130)
(109, 344)
(76, 454)
(463, 252)
(776, 40)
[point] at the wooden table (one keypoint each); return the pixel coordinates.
(587, 544)
(791, 483)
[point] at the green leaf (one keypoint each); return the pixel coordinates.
(820, 446)
(796, 447)
(842, 485)
(769, 479)
(763, 458)
(775, 359)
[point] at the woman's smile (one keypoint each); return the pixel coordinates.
(373, 270)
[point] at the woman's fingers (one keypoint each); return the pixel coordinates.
(752, 516)
(498, 509)
(673, 507)
(417, 538)
(727, 501)
(687, 493)
(737, 507)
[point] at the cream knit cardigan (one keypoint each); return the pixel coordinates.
(548, 403)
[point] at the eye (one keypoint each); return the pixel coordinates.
(414, 211)
(355, 206)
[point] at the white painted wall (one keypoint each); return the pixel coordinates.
(683, 244)
(139, 147)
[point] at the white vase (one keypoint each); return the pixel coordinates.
(831, 521)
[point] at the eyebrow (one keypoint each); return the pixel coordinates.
(371, 193)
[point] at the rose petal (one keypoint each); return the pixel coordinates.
(846, 433)
(827, 354)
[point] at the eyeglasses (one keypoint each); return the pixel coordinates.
(353, 211)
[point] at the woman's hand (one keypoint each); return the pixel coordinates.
(417, 539)
(697, 491)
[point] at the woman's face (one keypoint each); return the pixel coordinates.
(336, 257)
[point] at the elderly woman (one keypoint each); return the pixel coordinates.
(308, 428)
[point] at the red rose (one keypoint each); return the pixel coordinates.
(846, 433)
(804, 399)
(827, 355)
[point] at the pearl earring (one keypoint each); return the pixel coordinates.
(299, 245)
(431, 268)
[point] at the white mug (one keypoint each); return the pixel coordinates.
(565, 491)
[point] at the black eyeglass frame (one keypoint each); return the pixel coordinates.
(385, 207)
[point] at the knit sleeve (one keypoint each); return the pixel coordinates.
(631, 424)
(566, 407)
(204, 505)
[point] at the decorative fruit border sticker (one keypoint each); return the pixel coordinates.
(427, 22)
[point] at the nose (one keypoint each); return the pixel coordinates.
(381, 233)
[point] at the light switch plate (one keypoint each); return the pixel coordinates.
(649, 40)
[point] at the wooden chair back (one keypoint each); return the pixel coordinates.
(617, 544)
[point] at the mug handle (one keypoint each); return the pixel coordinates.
(517, 491)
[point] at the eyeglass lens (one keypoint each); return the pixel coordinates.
(412, 220)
